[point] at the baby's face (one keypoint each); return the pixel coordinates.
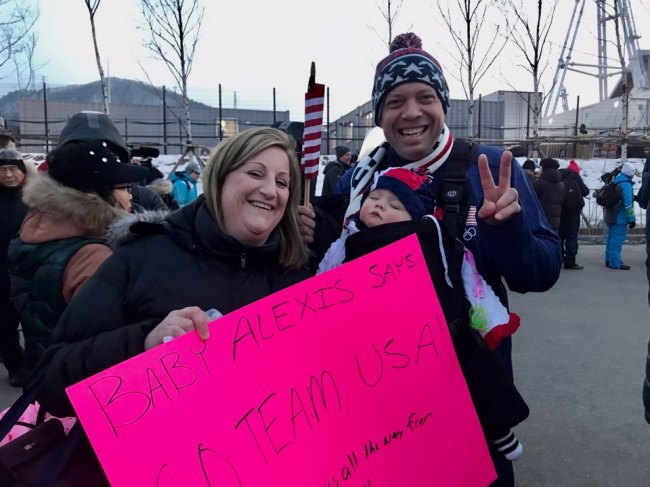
(382, 206)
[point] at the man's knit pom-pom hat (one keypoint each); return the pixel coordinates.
(403, 41)
(407, 62)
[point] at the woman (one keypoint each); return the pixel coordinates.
(237, 243)
(61, 242)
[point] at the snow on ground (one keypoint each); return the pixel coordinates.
(591, 170)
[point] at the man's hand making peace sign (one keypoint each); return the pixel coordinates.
(500, 202)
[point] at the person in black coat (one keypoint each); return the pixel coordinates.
(335, 169)
(236, 244)
(550, 192)
(13, 176)
(643, 198)
(574, 201)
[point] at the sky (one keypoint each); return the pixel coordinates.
(252, 46)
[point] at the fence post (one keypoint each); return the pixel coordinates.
(328, 120)
(220, 116)
(47, 128)
(274, 117)
(164, 96)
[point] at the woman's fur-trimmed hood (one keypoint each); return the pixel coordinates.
(131, 225)
(87, 210)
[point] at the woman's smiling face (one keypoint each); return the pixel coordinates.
(254, 197)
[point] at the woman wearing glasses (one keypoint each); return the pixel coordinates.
(61, 242)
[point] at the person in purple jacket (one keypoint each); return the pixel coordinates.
(505, 229)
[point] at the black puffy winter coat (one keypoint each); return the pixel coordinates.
(550, 192)
(12, 213)
(571, 180)
(184, 261)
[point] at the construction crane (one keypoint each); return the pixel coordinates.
(604, 13)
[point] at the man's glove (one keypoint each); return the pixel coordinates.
(631, 225)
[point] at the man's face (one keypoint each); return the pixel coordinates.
(195, 175)
(412, 118)
(11, 176)
(345, 158)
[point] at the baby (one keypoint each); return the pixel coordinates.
(401, 202)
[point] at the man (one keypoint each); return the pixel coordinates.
(335, 169)
(7, 141)
(12, 211)
(550, 192)
(643, 198)
(619, 217)
(184, 183)
(574, 201)
(529, 168)
(508, 235)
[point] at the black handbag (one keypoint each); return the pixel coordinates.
(39, 457)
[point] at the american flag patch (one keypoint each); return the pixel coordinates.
(471, 217)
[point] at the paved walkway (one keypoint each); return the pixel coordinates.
(579, 361)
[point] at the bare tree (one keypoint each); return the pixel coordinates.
(17, 41)
(24, 63)
(174, 27)
(390, 14)
(531, 40)
(476, 52)
(92, 6)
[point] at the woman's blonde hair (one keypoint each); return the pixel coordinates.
(233, 153)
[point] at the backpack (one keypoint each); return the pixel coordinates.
(573, 200)
(608, 195)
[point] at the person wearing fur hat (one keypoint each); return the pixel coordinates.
(550, 192)
(619, 218)
(503, 225)
(61, 242)
(574, 201)
(13, 176)
(184, 183)
(335, 169)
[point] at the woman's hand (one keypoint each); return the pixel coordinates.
(177, 323)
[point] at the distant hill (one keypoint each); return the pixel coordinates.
(123, 92)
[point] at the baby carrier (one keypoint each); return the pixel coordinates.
(498, 404)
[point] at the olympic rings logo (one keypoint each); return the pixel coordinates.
(469, 234)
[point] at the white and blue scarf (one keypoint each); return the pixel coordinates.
(363, 174)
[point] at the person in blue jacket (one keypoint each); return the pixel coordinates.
(619, 217)
(505, 230)
(184, 183)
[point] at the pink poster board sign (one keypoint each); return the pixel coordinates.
(348, 378)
